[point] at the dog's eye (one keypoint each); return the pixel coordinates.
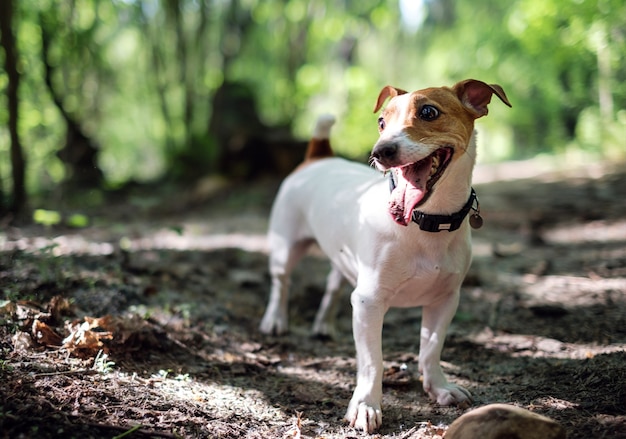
(428, 113)
(381, 123)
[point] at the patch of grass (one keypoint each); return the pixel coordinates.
(101, 363)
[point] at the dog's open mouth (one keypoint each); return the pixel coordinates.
(414, 183)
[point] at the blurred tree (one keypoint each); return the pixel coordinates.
(180, 38)
(564, 50)
(244, 143)
(186, 88)
(79, 152)
(7, 41)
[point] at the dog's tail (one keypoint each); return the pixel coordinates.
(319, 145)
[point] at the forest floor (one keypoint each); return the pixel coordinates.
(144, 324)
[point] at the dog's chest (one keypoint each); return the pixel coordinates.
(426, 287)
(425, 280)
(422, 277)
(401, 274)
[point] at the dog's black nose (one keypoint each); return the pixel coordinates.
(385, 151)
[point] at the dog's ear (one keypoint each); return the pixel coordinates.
(476, 95)
(387, 91)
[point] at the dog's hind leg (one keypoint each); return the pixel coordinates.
(324, 325)
(283, 259)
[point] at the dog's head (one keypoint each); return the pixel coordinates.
(422, 133)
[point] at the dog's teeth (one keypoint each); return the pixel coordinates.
(434, 165)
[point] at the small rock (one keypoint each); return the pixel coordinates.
(504, 421)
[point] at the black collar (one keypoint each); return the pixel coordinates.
(437, 223)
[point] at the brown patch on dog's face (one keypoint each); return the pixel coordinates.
(414, 125)
(423, 121)
(423, 133)
(439, 118)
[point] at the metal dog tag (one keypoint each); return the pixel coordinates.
(476, 221)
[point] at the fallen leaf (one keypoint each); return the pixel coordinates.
(45, 335)
(22, 341)
(85, 340)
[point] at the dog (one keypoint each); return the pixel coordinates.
(402, 243)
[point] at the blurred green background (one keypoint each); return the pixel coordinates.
(139, 90)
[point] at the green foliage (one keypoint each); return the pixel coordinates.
(46, 217)
(140, 75)
(575, 48)
(77, 220)
(102, 364)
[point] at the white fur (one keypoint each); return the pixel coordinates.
(323, 126)
(344, 207)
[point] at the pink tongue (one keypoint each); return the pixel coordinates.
(410, 190)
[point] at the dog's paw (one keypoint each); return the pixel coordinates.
(273, 325)
(363, 416)
(451, 394)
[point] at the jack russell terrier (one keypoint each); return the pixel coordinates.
(405, 243)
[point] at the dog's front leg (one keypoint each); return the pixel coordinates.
(364, 411)
(435, 321)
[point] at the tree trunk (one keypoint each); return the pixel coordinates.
(18, 164)
(603, 55)
(79, 153)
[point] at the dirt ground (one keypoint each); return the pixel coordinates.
(144, 324)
